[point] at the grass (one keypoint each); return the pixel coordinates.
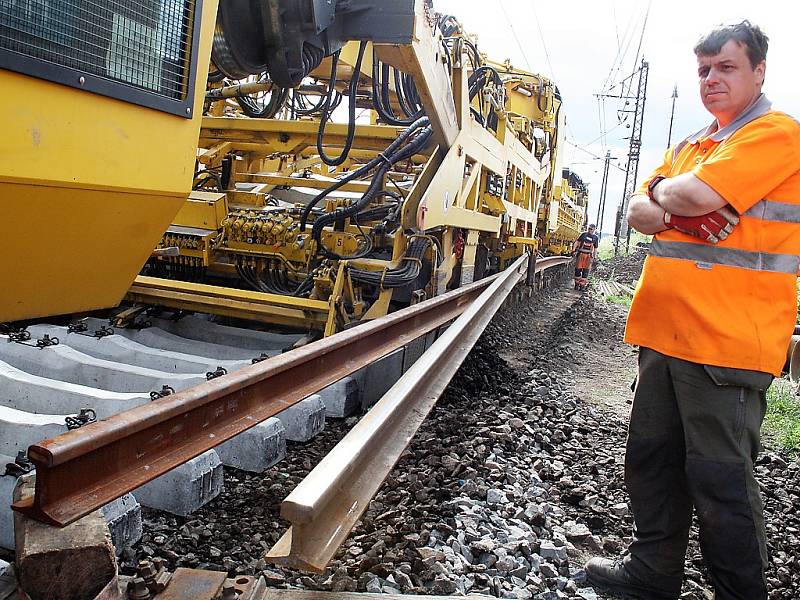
(606, 248)
(621, 299)
(782, 423)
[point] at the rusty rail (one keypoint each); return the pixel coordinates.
(80, 471)
(328, 503)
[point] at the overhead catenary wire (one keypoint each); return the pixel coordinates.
(616, 22)
(639, 47)
(516, 37)
(541, 37)
(611, 82)
(622, 53)
(592, 154)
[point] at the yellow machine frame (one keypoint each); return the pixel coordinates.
(88, 184)
(104, 186)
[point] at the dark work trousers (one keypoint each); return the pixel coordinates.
(693, 437)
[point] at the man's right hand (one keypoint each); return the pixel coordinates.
(712, 227)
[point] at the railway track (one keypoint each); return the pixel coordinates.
(179, 391)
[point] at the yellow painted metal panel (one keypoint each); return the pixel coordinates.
(205, 210)
(523, 240)
(243, 304)
(229, 307)
(519, 213)
(87, 186)
(62, 135)
(70, 250)
(221, 293)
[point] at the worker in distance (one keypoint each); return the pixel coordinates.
(713, 315)
(585, 251)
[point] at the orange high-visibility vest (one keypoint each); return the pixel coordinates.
(733, 304)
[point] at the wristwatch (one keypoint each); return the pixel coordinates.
(652, 186)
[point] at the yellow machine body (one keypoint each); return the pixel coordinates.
(208, 210)
(562, 220)
(477, 191)
(88, 185)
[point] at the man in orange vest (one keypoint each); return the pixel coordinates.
(713, 315)
(584, 249)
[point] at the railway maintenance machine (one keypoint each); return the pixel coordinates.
(300, 164)
(307, 164)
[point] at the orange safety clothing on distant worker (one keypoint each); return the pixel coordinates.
(583, 260)
(733, 304)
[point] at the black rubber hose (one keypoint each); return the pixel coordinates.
(412, 94)
(327, 110)
(306, 110)
(409, 150)
(391, 156)
(380, 93)
(253, 109)
(404, 100)
(363, 170)
(403, 275)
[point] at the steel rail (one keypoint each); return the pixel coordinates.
(80, 471)
(328, 503)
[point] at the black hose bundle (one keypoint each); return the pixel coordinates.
(312, 57)
(304, 108)
(390, 211)
(383, 158)
(477, 81)
(271, 278)
(204, 177)
(406, 273)
(473, 54)
(256, 109)
(327, 109)
(407, 95)
(397, 151)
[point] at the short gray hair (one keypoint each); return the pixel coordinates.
(754, 40)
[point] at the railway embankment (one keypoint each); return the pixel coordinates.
(514, 480)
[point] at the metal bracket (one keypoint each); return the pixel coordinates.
(103, 332)
(20, 336)
(86, 416)
(218, 373)
(20, 466)
(78, 327)
(261, 358)
(47, 341)
(165, 391)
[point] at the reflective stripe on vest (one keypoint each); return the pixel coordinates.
(705, 256)
(770, 210)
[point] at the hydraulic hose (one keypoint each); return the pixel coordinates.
(406, 273)
(407, 151)
(327, 109)
(363, 170)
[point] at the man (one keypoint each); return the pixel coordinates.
(713, 314)
(585, 250)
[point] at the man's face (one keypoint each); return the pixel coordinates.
(728, 83)
(591, 229)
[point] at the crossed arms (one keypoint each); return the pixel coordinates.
(683, 196)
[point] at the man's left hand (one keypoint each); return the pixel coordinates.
(712, 227)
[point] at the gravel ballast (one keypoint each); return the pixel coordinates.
(513, 481)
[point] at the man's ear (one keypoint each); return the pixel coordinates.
(761, 71)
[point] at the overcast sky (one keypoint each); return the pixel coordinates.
(582, 38)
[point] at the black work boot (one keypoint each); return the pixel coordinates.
(612, 576)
